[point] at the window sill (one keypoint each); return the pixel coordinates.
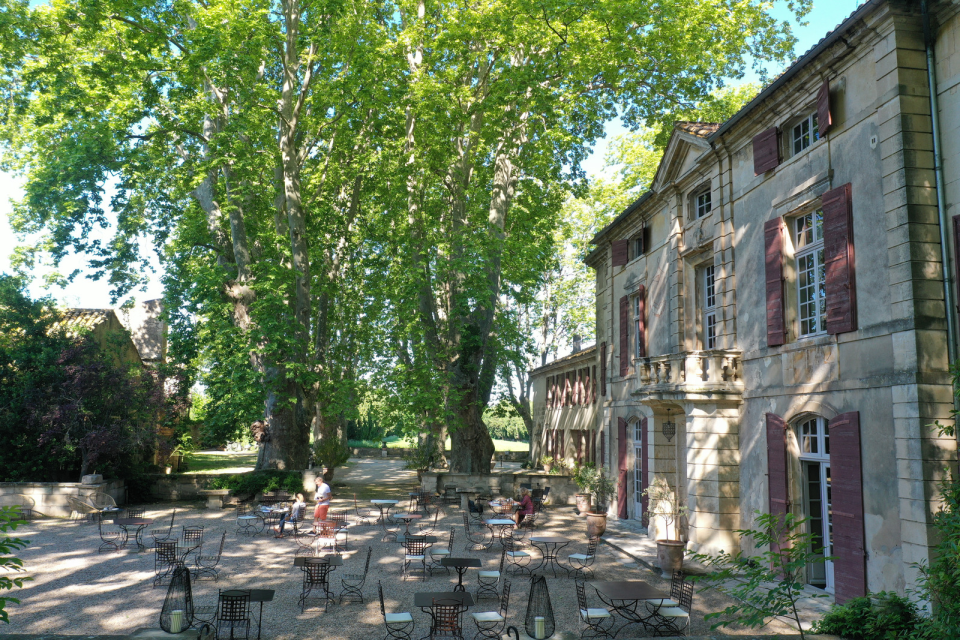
(806, 342)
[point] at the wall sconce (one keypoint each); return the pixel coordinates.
(669, 428)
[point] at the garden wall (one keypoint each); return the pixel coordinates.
(506, 483)
(373, 452)
(51, 499)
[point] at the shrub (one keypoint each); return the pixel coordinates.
(257, 481)
(9, 521)
(883, 616)
(940, 581)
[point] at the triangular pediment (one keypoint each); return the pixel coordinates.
(685, 146)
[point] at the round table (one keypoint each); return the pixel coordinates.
(461, 565)
(549, 546)
(503, 523)
(139, 523)
(407, 518)
(383, 505)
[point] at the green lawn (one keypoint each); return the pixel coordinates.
(393, 442)
(216, 462)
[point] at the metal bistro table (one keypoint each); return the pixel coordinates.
(461, 565)
(407, 518)
(256, 595)
(425, 599)
(384, 505)
(503, 523)
(625, 596)
(549, 546)
(140, 524)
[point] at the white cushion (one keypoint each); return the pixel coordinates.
(409, 557)
(247, 518)
(398, 617)
(489, 574)
(440, 552)
(579, 556)
(666, 602)
(672, 612)
(487, 616)
(517, 554)
(594, 613)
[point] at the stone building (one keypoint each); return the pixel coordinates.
(777, 301)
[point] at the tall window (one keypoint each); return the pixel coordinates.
(805, 133)
(811, 273)
(814, 439)
(636, 325)
(703, 204)
(638, 468)
(709, 307)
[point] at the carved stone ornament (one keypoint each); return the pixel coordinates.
(260, 432)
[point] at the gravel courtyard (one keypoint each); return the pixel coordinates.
(75, 590)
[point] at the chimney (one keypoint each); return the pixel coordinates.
(576, 344)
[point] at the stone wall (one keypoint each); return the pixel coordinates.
(373, 452)
(506, 483)
(51, 499)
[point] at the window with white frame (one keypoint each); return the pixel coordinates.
(804, 133)
(709, 288)
(813, 436)
(703, 203)
(637, 326)
(811, 273)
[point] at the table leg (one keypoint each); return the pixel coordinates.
(260, 620)
(460, 572)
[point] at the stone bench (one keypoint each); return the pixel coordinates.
(214, 497)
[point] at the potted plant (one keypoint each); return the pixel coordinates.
(602, 488)
(585, 476)
(547, 463)
(422, 457)
(665, 504)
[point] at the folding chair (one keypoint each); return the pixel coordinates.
(581, 562)
(353, 582)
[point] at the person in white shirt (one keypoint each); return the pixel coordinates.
(295, 509)
(323, 503)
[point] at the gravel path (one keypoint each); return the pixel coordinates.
(77, 591)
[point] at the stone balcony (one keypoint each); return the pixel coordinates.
(692, 375)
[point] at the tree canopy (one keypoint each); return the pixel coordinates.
(342, 192)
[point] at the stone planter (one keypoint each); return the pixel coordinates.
(214, 497)
(583, 503)
(670, 556)
(596, 524)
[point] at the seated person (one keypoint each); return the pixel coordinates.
(295, 509)
(474, 507)
(526, 507)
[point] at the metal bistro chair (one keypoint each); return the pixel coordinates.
(135, 512)
(473, 542)
(316, 576)
(327, 536)
(233, 610)
(165, 533)
(597, 621)
(192, 539)
(305, 541)
(110, 539)
(673, 620)
(340, 526)
(353, 582)
(399, 625)
(489, 581)
(427, 528)
(165, 560)
(436, 555)
(207, 565)
(364, 515)
(490, 624)
(248, 524)
(676, 586)
(519, 560)
(581, 562)
(83, 510)
(415, 551)
(447, 619)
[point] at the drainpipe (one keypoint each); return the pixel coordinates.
(948, 297)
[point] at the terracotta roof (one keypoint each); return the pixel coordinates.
(699, 129)
(567, 358)
(77, 320)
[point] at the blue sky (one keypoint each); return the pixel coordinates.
(84, 293)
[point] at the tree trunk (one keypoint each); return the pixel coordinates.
(471, 447)
(288, 427)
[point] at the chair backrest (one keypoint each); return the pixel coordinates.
(223, 538)
(686, 595)
(366, 567)
(339, 517)
(503, 557)
(328, 529)
(193, 534)
(234, 607)
(505, 599)
(453, 532)
(241, 509)
(446, 618)
(173, 517)
(383, 610)
(167, 550)
(581, 595)
(415, 545)
(592, 546)
(676, 585)
(316, 570)
(137, 512)
(297, 515)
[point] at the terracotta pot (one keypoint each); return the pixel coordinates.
(670, 555)
(583, 503)
(547, 467)
(596, 524)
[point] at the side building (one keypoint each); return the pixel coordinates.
(772, 316)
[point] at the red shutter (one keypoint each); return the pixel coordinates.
(593, 386)
(777, 465)
(620, 250)
(624, 336)
(766, 151)
(824, 119)
(593, 447)
(642, 325)
(603, 447)
(622, 468)
(849, 545)
(580, 393)
(644, 472)
(839, 260)
(773, 242)
(603, 368)
(566, 389)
